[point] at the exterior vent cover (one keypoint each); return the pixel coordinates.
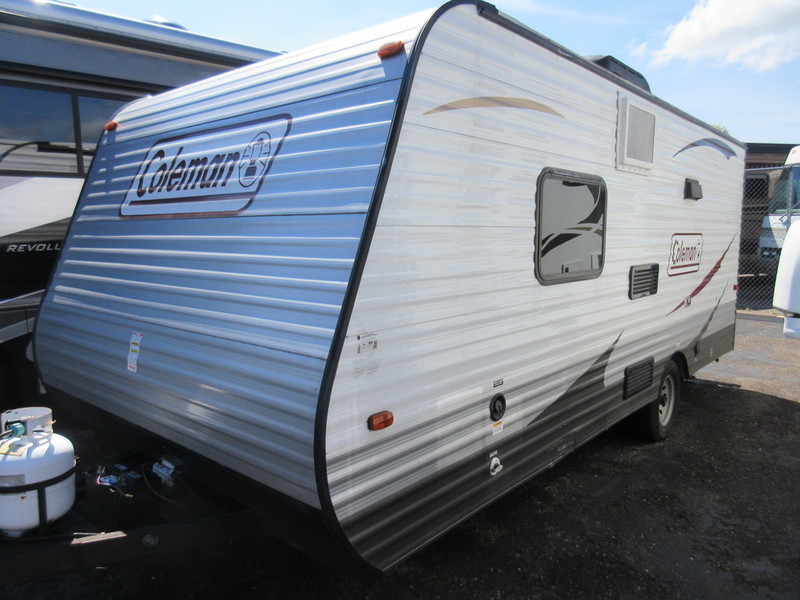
(643, 281)
(641, 135)
(638, 377)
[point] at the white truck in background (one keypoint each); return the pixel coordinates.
(782, 185)
(786, 298)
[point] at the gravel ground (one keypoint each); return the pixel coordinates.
(710, 513)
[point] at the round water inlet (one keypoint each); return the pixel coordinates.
(37, 471)
(497, 407)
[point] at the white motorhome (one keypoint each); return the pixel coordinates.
(781, 187)
(64, 72)
(786, 297)
(382, 281)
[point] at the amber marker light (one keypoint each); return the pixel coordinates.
(390, 49)
(380, 420)
(111, 126)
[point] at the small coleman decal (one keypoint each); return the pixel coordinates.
(706, 280)
(213, 172)
(133, 351)
(685, 253)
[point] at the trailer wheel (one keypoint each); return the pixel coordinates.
(654, 421)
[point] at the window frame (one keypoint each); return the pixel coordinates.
(579, 178)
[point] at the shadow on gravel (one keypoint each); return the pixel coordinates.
(711, 512)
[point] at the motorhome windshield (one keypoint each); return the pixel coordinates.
(786, 195)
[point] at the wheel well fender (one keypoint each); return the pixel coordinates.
(683, 366)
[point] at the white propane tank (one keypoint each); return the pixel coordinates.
(37, 470)
(786, 297)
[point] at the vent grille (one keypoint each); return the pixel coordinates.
(643, 281)
(638, 377)
(636, 136)
(641, 135)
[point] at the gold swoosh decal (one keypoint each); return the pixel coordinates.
(495, 102)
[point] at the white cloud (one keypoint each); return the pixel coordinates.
(759, 35)
(638, 50)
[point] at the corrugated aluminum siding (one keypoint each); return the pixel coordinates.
(448, 303)
(235, 313)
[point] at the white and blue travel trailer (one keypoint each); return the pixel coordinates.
(64, 72)
(384, 280)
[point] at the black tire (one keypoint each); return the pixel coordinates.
(654, 421)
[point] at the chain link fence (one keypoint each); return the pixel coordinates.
(766, 214)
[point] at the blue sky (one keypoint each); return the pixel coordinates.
(734, 63)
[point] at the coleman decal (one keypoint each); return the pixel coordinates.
(686, 251)
(706, 280)
(214, 172)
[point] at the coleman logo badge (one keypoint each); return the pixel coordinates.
(686, 252)
(214, 172)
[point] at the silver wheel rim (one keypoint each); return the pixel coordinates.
(667, 400)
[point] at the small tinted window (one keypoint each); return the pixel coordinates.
(37, 131)
(795, 194)
(570, 226)
(781, 192)
(786, 191)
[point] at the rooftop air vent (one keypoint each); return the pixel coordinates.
(620, 69)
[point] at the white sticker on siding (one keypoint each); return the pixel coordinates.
(133, 351)
(367, 360)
